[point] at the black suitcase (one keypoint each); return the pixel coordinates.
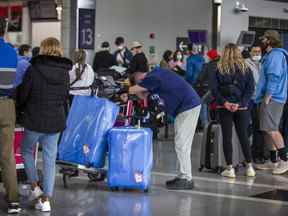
(212, 156)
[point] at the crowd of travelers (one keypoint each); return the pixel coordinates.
(251, 93)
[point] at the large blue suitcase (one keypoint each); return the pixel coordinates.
(84, 141)
(130, 158)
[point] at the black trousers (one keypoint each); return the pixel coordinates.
(241, 121)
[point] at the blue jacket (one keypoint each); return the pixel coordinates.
(177, 94)
(23, 65)
(273, 76)
(8, 65)
(194, 67)
(234, 88)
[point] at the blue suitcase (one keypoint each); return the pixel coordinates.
(84, 142)
(130, 158)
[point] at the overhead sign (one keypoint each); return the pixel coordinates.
(182, 43)
(86, 28)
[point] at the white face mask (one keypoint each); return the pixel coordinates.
(121, 47)
(179, 57)
(257, 58)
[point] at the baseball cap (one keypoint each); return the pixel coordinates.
(136, 44)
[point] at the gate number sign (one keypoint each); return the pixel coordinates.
(86, 29)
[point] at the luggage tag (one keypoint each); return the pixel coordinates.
(86, 149)
(138, 177)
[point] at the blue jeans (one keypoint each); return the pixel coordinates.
(49, 152)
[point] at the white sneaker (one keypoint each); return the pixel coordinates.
(282, 168)
(250, 172)
(14, 208)
(229, 173)
(35, 194)
(43, 206)
(266, 166)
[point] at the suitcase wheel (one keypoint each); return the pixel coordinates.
(65, 183)
(114, 189)
(97, 177)
(146, 190)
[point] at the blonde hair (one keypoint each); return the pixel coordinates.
(51, 47)
(232, 59)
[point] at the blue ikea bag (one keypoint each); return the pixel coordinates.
(130, 158)
(84, 141)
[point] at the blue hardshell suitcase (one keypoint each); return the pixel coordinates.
(130, 158)
(84, 141)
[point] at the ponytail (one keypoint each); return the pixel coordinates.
(80, 62)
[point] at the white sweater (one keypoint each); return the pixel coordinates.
(87, 79)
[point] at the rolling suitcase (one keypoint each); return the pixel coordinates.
(130, 158)
(84, 140)
(212, 156)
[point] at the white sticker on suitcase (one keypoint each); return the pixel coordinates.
(86, 149)
(138, 177)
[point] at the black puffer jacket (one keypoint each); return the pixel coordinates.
(43, 94)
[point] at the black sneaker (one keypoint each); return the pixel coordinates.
(180, 184)
(172, 182)
(14, 208)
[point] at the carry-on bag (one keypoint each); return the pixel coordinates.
(212, 155)
(130, 158)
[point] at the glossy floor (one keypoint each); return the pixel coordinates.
(213, 195)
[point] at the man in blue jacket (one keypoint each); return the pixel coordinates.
(272, 94)
(181, 102)
(194, 66)
(8, 64)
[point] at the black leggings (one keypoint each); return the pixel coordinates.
(241, 121)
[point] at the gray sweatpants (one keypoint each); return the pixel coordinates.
(185, 127)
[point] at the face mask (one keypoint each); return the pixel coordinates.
(256, 58)
(179, 57)
(121, 47)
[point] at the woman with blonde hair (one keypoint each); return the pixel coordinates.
(233, 89)
(43, 96)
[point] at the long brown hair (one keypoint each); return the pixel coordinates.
(79, 61)
(232, 59)
(51, 47)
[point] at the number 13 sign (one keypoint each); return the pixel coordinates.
(86, 29)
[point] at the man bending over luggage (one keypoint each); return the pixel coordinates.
(181, 102)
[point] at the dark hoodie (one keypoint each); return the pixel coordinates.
(43, 94)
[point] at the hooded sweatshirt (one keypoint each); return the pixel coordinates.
(273, 76)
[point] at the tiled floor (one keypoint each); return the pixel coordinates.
(213, 195)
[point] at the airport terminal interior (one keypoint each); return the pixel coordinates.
(155, 26)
